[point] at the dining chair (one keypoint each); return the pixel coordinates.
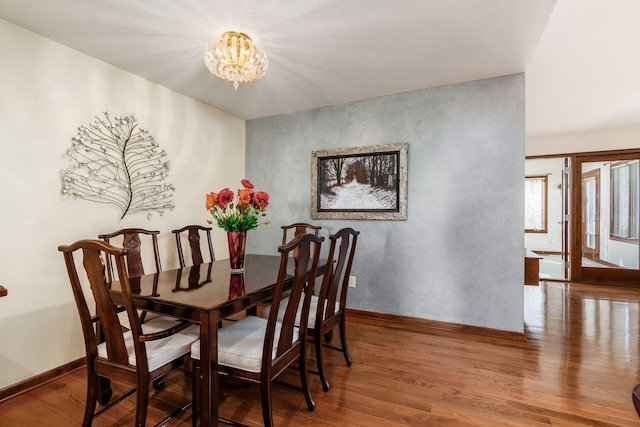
(131, 240)
(133, 243)
(194, 244)
(298, 229)
(328, 307)
(136, 357)
(257, 349)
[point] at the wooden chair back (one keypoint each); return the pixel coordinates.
(194, 244)
(332, 299)
(299, 228)
(335, 282)
(106, 312)
(307, 249)
(133, 243)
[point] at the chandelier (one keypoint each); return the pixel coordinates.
(235, 57)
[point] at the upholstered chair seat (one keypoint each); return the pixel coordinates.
(240, 344)
(162, 351)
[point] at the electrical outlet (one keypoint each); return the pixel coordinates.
(352, 281)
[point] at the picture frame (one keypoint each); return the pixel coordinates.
(364, 183)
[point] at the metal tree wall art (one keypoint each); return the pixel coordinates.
(114, 161)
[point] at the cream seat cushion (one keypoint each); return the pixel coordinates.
(240, 344)
(283, 306)
(162, 351)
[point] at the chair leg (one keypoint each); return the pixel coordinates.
(635, 397)
(343, 341)
(93, 385)
(320, 361)
(304, 380)
(265, 397)
(142, 402)
(195, 392)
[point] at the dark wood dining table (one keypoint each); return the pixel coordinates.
(205, 294)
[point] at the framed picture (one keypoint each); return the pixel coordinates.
(360, 183)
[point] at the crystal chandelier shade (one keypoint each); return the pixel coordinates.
(235, 57)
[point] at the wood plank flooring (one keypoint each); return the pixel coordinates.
(577, 367)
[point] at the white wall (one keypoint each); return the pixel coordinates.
(48, 90)
(550, 241)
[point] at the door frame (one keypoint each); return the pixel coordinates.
(566, 214)
(594, 174)
(580, 273)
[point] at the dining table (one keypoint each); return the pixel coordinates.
(206, 294)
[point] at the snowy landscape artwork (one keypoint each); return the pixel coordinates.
(360, 183)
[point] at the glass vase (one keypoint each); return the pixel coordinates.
(237, 241)
(236, 286)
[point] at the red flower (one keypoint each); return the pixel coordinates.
(225, 197)
(239, 211)
(260, 199)
(212, 199)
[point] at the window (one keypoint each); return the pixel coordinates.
(624, 200)
(535, 204)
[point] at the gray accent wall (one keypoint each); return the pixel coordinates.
(459, 256)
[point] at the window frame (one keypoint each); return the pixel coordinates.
(545, 179)
(612, 205)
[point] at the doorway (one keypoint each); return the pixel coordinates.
(593, 216)
(607, 202)
(546, 227)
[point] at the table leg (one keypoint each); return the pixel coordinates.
(209, 369)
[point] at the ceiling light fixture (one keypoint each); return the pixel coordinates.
(235, 57)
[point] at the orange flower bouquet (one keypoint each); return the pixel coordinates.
(238, 212)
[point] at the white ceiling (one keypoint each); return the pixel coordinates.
(582, 70)
(321, 52)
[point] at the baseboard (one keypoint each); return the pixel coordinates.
(40, 379)
(607, 263)
(601, 261)
(429, 326)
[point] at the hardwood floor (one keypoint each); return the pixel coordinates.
(577, 366)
